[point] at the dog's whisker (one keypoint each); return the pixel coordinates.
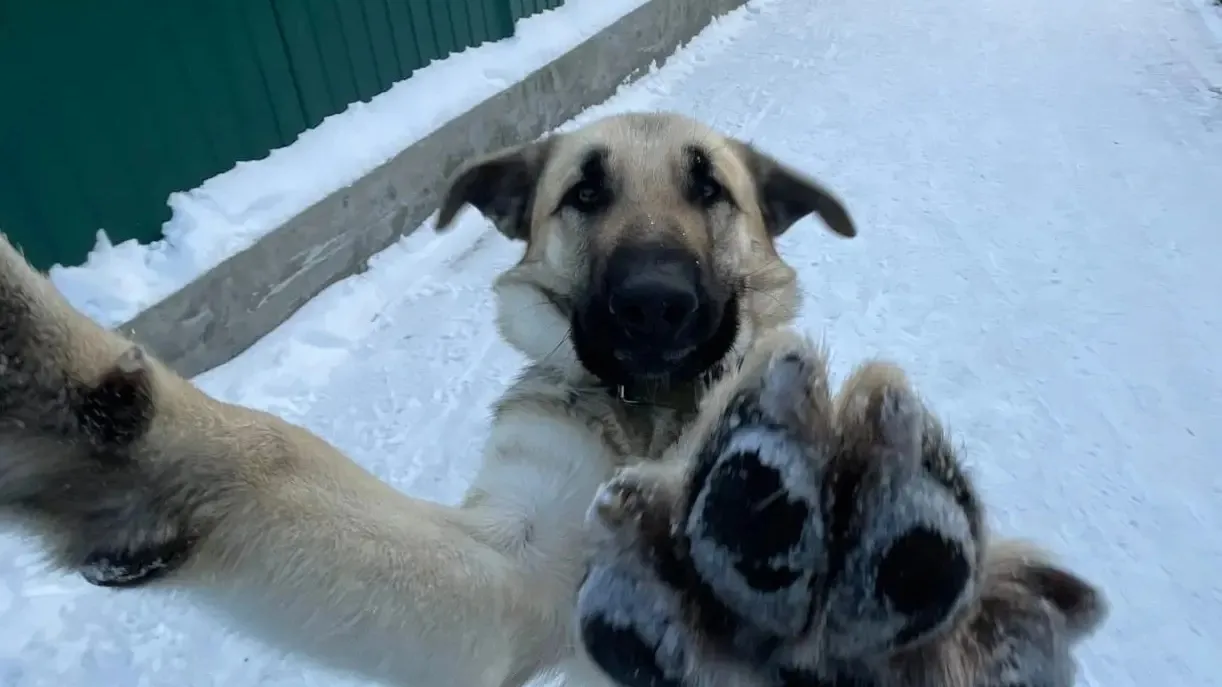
(780, 305)
(558, 346)
(767, 266)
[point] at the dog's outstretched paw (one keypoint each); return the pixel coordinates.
(81, 460)
(907, 533)
(77, 472)
(116, 412)
(817, 539)
(135, 568)
(713, 555)
(631, 625)
(752, 520)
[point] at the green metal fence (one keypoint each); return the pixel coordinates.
(110, 106)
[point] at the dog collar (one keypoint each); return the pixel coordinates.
(684, 399)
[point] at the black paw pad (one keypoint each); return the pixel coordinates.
(806, 678)
(905, 564)
(922, 575)
(748, 511)
(755, 536)
(135, 568)
(630, 627)
(623, 655)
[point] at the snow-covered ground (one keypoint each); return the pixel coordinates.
(1038, 188)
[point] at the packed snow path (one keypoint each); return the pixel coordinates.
(1039, 189)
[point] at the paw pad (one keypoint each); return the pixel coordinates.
(630, 626)
(134, 568)
(624, 655)
(922, 575)
(908, 565)
(754, 531)
(759, 553)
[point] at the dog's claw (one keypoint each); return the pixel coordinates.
(616, 503)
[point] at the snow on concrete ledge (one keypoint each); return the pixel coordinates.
(231, 211)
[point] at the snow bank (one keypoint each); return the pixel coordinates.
(232, 210)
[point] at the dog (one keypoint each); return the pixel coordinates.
(669, 494)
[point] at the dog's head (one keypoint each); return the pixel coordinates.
(649, 244)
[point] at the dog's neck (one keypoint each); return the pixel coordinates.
(684, 398)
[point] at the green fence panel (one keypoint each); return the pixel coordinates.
(112, 106)
(386, 64)
(413, 25)
(442, 25)
(255, 23)
(525, 8)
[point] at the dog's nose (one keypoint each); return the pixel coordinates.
(653, 304)
(654, 296)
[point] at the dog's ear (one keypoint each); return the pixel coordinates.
(787, 195)
(1081, 604)
(501, 186)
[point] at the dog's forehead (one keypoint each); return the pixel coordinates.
(641, 145)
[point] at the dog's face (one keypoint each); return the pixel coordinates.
(649, 244)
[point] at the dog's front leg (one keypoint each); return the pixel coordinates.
(128, 474)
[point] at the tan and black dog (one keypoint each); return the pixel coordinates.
(746, 524)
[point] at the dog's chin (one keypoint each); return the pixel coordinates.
(617, 363)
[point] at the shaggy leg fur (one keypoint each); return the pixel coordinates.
(822, 541)
(127, 474)
(70, 412)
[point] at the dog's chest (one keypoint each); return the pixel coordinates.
(644, 432)
(552, 446)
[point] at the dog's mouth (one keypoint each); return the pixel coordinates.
(632, 359)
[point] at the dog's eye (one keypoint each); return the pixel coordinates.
(708, 191)
(587, 197)
(703, 188)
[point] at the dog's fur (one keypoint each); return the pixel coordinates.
(754, 531)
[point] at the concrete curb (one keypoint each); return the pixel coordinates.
(226, 310)
(1209, 12)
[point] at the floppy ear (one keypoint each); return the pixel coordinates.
(1081, 604)
(787, 196)
(501, 186)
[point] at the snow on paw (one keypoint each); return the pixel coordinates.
(904, 526)
(753, 525)
(135, 568)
